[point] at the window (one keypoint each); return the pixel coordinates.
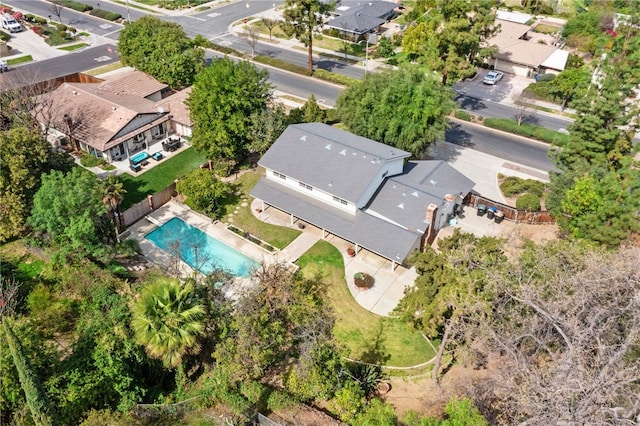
(305, 186)
(340, 200)
(280, 175)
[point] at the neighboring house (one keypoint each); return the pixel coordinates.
(180, 122)
(354, 22)
(518, 54)
(361, 190)
(112, 119)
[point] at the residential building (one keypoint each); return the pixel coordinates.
(355, 22)
(115, 118)
(361, 190)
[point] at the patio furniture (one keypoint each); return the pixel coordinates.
(139, 158)
(171, 144)
(157, 156)
(135, 167)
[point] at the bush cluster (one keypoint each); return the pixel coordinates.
(284, 65)
(88, 160)
(333, 77)
(529, 202)
(4, 36)
(514, 185)
(105, 14)
(225, 49)
(75, 5)
(527, 130)
(462, 115)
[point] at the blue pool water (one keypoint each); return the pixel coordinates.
(196, 246)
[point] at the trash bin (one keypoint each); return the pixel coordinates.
(482, 209)
(491, 212)
(499, 217)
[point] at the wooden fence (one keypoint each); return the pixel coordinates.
(146, 206)
(510, 213)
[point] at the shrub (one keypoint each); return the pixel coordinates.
(546, 77)
(105, 14)
(225, 49)
(529, 202)
(4, 36)
(513, 185)
(333, 77)
(40, 21)
(362, 280)
(38, 29)
(29, 17)
(75, 5)
(540, 90)
(72, 30)
(88, 160)
(527, 130)
(279, 63)
(462, 115)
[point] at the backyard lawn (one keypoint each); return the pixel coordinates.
(159, 177)
(369, 337)
(277, 236)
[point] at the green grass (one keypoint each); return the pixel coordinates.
(73, 47)
(159, 177)
(368, 337)
(105, 69)
(277, 236)
(20, 60)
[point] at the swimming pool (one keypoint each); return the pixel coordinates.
(200, 250)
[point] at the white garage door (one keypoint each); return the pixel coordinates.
(511, 68)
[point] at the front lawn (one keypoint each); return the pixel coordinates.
(369, 337)
(277, 236)
(160, 176)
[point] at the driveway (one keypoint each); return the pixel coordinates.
(29, 43)
(504, 91)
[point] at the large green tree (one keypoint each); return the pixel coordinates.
(161, 49)
(24, 156)
(302, 18)
(404, 108)
(168, 321)
(595, 195)
(68, 208)
(203, 191)
(224, 96)
(451, 37)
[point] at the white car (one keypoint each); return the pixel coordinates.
(492, 77)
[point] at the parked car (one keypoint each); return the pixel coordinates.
(9, 23)
(492, 77)
(3, 65)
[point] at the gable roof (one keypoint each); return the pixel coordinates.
(363, 18)
(100, 117)
(177, 106)
(513, 49)
(330, 159)
(133, 83)
(404, 198)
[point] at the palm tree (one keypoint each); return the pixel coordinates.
(167, 321)
(112, 195)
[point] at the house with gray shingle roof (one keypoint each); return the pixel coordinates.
(361, 190)
(363, 19)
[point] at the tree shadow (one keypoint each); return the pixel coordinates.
(470, 103)
(375, 350)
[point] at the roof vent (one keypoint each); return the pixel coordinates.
(433, 182)
(401, 206)
(160, 110)
(354, 153)
(328, 146)
(343, 152)
(303, 138)
(331, 183)
(113, 108)
(74, 92)
(415, 194)
(404, 194)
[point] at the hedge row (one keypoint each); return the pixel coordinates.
(333, 77)
(527, 130)
(225, 49)
(279, 63)
(105, 14)
(35, 19)
(461, 114)
(75, 5)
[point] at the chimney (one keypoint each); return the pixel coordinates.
(430, 214)
(430, 218)
(67, 120)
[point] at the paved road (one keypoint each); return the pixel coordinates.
(81, 21)
(83, 60)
